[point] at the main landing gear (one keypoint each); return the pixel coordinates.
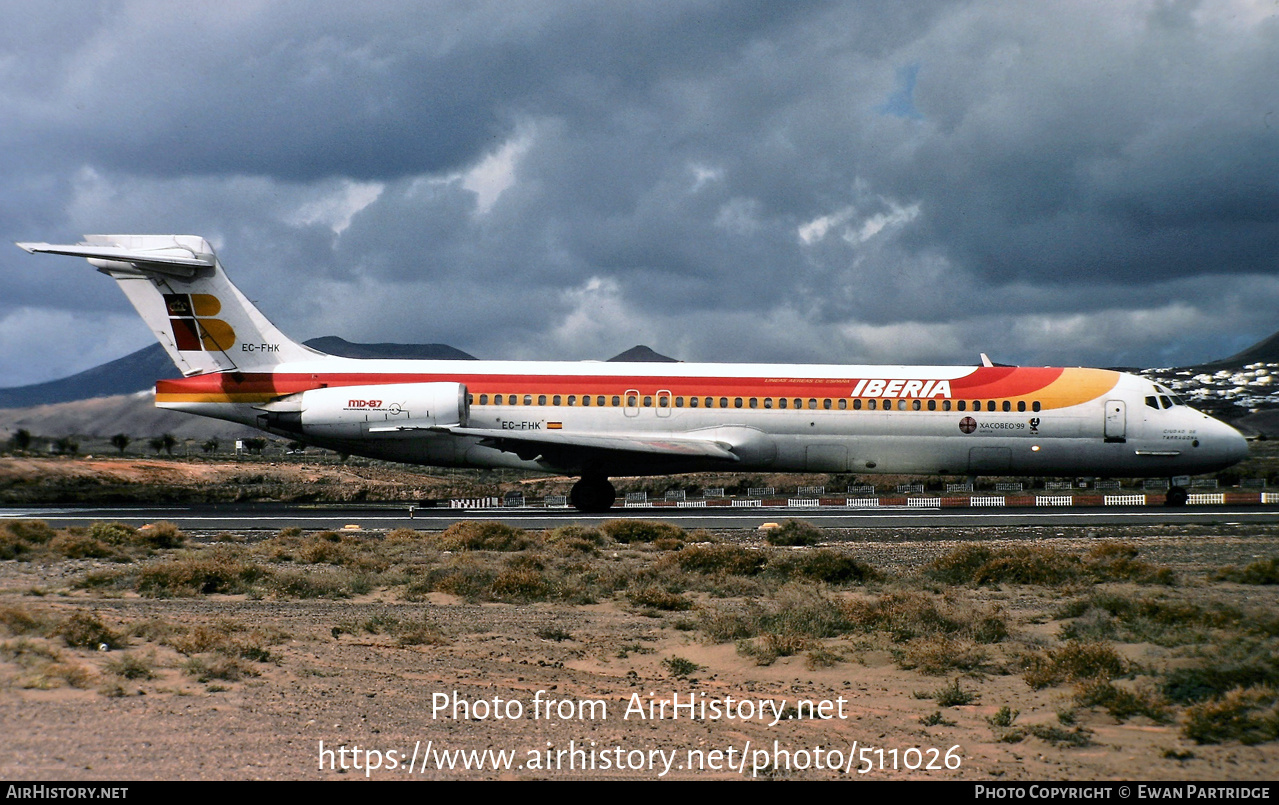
(1177, 496)
(592, 494)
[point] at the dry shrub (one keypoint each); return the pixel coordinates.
(824, 565)
(627, 531)
(1249, 716)
(1117, 561)
(794, 532)
(655, 597)
(20, 538)
(979, 564)
(220, 570)
(717, 559)
(906, 615)
(79, 545)
(86, 630)
(1120, 702)
(160, 536)
(939, 654)
(521, 584)
(20, 621)
(1264, 571)
(768, 647)
(485, 535)
(1074, 662)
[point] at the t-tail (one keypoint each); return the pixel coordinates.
(179, 288)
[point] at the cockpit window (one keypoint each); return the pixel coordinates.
(1165, 400)
(1152, 402)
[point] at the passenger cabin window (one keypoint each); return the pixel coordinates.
(600, 400)
(541, 399)
(962, 405)
(932, 405)
(631, 400)
(812, 403)
(901, 405)
(1008, 406)
(915, 405)
(843, 404)
(470, 399)
(586, 399)
(737, 402)
(484, 399)
(781, 402)
(572, 399)
(663, 401)
(857, 404)
(768, 402)
(618, 401)
(556, 399)
(723, 402)
(679, 402)
(1034, 406)
(990, 405)
(826, 404)
(648, 401)
(692, 402)
(1021, 405)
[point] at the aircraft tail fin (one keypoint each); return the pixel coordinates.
(179, 288)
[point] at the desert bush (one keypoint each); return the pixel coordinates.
(723, 558)
(981, 565)
(953, 695)
(627, 531)
(19, 621)
(131, 666)
(935, 655)
(160, 536)
(1264, 571)
(575, 537)
(794, 532)
(1247, 715)
(655, 597)
(680, 667)
(485, 535)
(86, 630)
(326, 582)
(78, 545)
(767, 647)
(20, 538)
(1117, 561)
(1121, 703)
(906, 615)
(1239, 663)
(824, 565)
(220, 570)
(1074, 662)
(118, 534)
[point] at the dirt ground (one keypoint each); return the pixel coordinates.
(573, 691)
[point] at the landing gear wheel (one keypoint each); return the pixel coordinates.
(592, 495)
(1176, 496)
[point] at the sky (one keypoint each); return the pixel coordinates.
(1061, 183)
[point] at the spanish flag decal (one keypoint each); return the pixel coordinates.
(554, 425)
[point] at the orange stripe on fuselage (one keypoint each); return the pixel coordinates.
(1052, 387)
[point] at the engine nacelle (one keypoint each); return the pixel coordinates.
(394, 408)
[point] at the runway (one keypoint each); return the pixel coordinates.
(272, 517)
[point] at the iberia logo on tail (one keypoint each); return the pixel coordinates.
(193, 328)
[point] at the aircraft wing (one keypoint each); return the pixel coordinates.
(538, 442)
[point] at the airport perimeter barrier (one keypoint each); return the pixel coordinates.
(1124, 500)
(475, 503)
(1206, 498)
(639, 500)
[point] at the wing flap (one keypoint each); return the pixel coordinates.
(654, 444)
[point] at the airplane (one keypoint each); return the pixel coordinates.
(600, 420)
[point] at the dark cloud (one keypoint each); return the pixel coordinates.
(723, 181)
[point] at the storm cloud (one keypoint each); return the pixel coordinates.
(1050, 183)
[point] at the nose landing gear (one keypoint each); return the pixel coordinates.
(592, 494)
